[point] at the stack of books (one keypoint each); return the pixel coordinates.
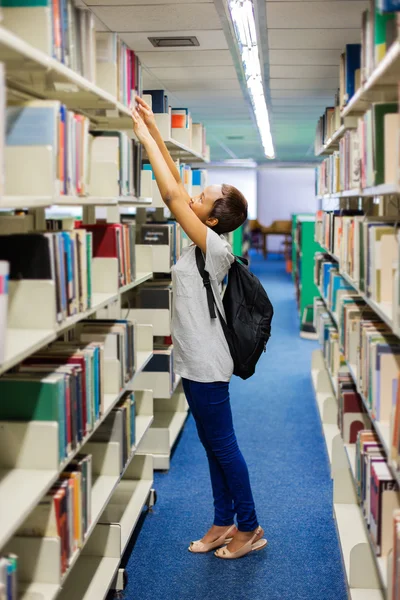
(63, 383)
(65, 511)
(64, 258)
(118, 339)
(61, 30)
(9, 577)
(119, 427)
(352, 414)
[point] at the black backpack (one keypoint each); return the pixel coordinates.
(248, 312)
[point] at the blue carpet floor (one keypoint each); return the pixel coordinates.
(279, 432)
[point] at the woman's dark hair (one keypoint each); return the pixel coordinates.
(230, 210)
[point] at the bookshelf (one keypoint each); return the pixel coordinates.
(366, 574)
(29, 450)
(357, 319)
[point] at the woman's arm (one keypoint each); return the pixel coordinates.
(148, 117)
(173, 193)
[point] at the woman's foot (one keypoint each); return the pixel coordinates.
(242, 537)
(215, 532)
(243, 543)
(214, 538)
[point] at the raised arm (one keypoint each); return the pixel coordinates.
(173, 192)
(148, 117)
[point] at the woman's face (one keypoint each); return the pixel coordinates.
(203, 204)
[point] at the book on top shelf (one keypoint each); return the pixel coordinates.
(159, 100)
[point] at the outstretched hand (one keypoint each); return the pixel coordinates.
(139, 127)
(146, 113)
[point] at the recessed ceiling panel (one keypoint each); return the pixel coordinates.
(164, 19)
(318, 15)
(201, 58)
(298, 39)
(208, 40)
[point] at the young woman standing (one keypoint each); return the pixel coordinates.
(201, 353)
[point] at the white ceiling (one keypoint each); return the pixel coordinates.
(305, 39)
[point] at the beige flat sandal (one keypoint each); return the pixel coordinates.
(201, 547)
(250, 546)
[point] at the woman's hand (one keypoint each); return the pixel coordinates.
(146, 113)
(140, 128)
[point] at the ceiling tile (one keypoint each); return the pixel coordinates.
(303, 57)
(200, 73)
(313, 38)
(321, 15)
(208, 40)
(303, 94)
(304, 84)
(308, 72)
(175, 85)
(199, 58)
(165, 18)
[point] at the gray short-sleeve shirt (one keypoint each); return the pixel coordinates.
(201, 352)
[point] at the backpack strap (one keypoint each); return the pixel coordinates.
(206, 280)
(242, 259)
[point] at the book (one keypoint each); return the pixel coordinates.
(352, 64)
(2, 130)
(159, 100)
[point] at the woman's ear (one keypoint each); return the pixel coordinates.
(212, 221)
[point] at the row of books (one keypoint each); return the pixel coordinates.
(368, 252)
(68, 34)
(377, 491)
(366, 343)
(64, 258)
(9, 577)
(376, 488)
(118, 339)
(63, 384)
(62, 30)
(163, 234)
(194, 180)
(180, 119)
(368, 155)
(115, 240)
(118, 68)
(63, 157)
(119, 427)
(380, 27)
(65, 512)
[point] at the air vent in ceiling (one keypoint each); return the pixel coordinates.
(235, 137)
(174, 42)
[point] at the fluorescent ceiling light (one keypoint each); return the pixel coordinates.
(242, 14)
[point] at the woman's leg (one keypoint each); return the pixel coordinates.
(223, 503)
(214, 414)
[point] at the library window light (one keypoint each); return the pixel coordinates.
(242, 15)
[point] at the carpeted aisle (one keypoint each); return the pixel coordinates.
(279, 432)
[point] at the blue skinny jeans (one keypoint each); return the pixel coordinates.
(211, 409)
